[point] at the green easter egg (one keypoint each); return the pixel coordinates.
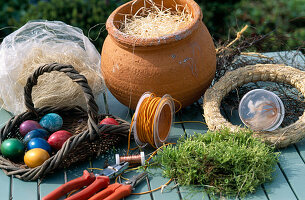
(12, 148)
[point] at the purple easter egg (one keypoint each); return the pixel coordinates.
(28, 126)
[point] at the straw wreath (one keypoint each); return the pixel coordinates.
(252, 73)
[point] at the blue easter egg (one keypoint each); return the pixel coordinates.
(39, 143)
(37, 133)
(51, 122)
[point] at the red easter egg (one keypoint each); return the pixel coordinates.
(58, 138)
(109, 120)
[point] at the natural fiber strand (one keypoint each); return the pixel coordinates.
(156, 20)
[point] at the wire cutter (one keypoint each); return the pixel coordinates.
(118, 191)
(93, 182)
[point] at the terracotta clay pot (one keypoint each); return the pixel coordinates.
(181, 64)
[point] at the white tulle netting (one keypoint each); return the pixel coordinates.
(42, 42)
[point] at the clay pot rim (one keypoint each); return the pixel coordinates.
(129, 40)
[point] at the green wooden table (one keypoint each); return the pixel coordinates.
(289, 175)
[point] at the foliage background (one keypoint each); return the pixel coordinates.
(283, 21)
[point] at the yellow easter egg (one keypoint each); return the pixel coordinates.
(36, 157)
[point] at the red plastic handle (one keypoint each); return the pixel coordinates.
(99, 183)
(74, 184)
(106, 192)
(121, 192)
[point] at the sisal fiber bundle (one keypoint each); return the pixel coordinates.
(43, 42)
(56, 88)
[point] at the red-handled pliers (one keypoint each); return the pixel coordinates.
(93, 182)
(118, 191)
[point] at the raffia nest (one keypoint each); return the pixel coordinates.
(253, 73)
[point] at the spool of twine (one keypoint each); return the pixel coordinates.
(153, 119)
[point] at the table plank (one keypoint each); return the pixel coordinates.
(4, 185)
(258, 194)
(279, 187)
(300, 146)
(276, 189)
(157, 180)
(51, 182)
(4, 180)
(24, 190)
(193, 113)
(294, 169)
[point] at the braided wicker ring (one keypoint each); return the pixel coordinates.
(261, 72)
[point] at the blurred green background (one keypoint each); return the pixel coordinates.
(282, 21)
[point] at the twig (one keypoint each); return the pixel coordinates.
(238, 36)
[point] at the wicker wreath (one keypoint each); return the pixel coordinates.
(89, 139)
(261, 72)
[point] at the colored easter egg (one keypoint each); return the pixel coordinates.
(39, 143)
(35, 157)
(12, 148)
(51, 122)
(109, 120)
(57, 139)
(37, 133)
(28, 126)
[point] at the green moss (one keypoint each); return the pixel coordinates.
(224, 162)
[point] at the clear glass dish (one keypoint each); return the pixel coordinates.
(261, 110)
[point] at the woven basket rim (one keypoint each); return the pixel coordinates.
(89, 134)
(279, 73)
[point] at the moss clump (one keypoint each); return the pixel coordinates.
(224, 162)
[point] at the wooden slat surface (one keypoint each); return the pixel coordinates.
(4, 185)
(4, 180)
(189, 114)
(50, 183)
(289, 175)
(279, 187)
(294, 169)
(20, 188)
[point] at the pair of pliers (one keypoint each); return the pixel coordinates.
(118, 191)
(93, 182)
